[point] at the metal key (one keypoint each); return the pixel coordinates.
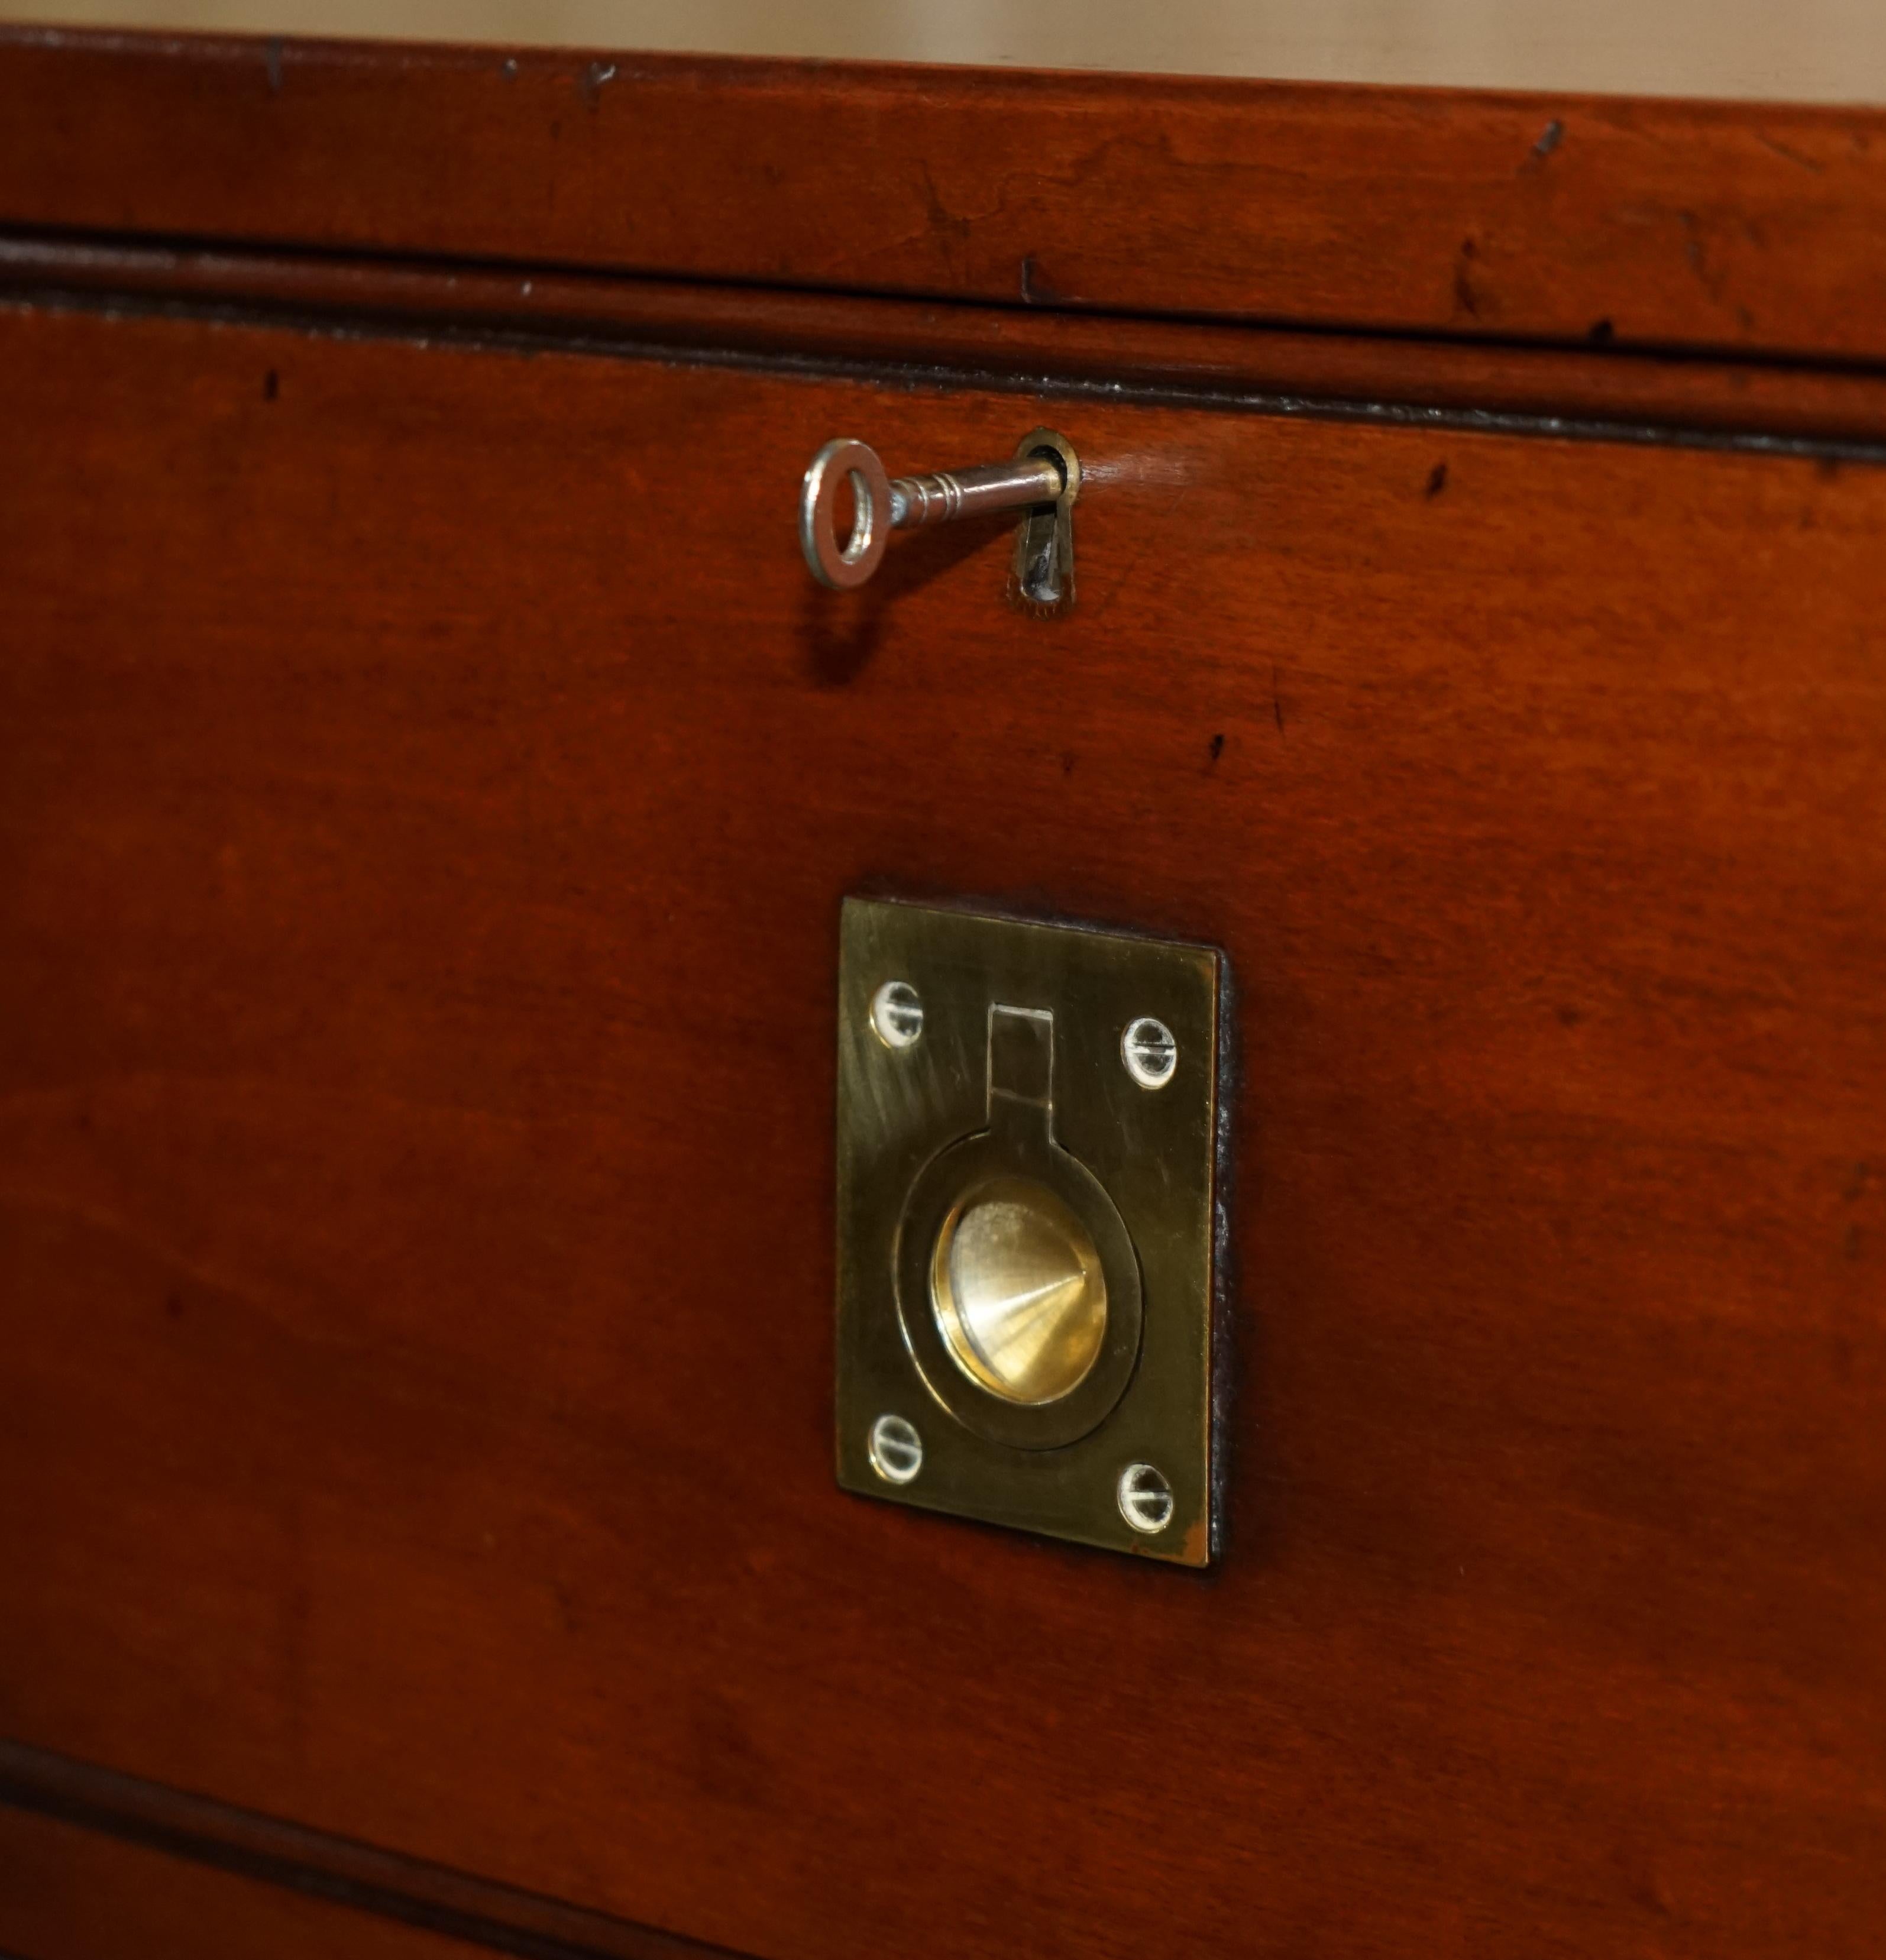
(1042, 479)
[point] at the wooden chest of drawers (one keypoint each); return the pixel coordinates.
(428, 778)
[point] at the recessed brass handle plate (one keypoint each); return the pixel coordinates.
(1029, 1140)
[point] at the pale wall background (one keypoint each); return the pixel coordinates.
(1802, 50)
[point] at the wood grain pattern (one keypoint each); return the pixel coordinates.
(1512, 216)
(425, 795)
(1638, 395)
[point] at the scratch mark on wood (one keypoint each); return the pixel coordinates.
(1798, 158)
(1465, 299)
(1550, 137)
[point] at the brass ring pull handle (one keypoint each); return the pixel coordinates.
(1042, 480)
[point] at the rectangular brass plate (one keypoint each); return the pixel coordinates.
(988, 1076)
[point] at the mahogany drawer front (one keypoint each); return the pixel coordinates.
(427, 781)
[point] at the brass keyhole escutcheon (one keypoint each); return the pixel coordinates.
(1019, 1291)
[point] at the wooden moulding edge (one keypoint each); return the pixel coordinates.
(340, 1870)
(1501, 388)
(1725, 227)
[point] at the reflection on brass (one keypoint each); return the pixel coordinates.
(1017, 1289)
(1026, 1260)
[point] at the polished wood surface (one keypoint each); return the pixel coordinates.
(1569, 218)
(73, 1893)
(427, 780)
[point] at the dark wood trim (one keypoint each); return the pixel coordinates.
(1482, 216)
(335, 1869)
(1616, 394)
(69, 1893)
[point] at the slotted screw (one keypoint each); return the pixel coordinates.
(1149, 1052)
(897, 1450)
(1146, 1498)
